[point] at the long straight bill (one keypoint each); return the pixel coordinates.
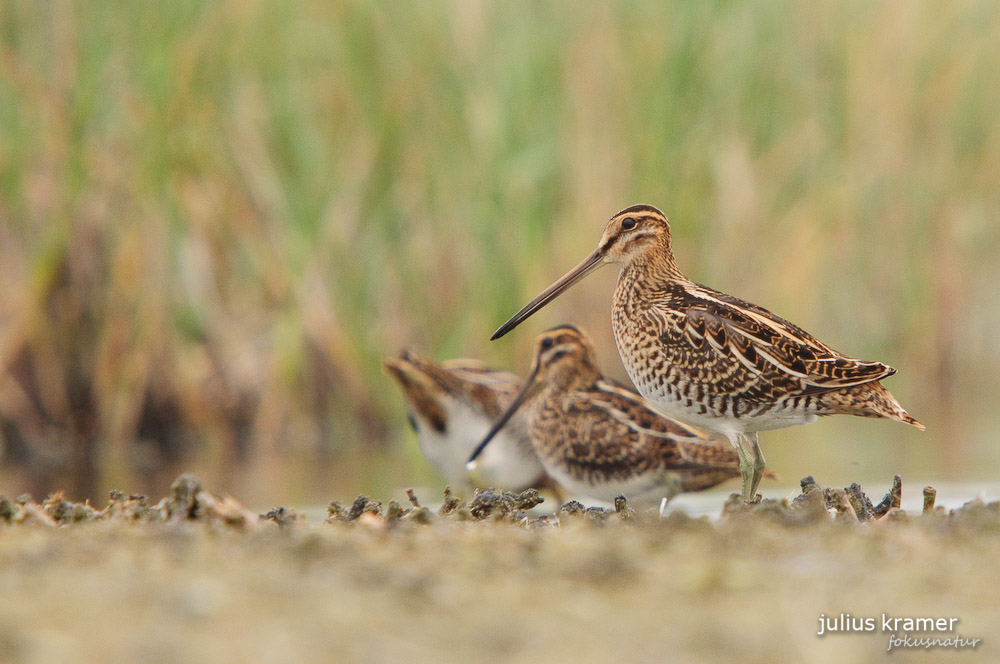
(520, 399)
(588, 265)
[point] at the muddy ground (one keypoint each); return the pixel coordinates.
(198, 578)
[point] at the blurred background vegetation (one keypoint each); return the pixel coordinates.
(217, 217)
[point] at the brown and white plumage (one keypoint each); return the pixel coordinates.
(714, 360)
(726, 359)
(452, 405)
(599, 439)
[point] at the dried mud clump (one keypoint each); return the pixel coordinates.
(488, 505)
(848, 505)
(450, 504)
(61, 510)
(503, 505)
(891, 500)
(623, 509)
(188, 501)
(283, 516)
(7, 510)
(183, 503)
(362, 507)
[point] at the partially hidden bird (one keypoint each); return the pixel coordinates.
(451, 405)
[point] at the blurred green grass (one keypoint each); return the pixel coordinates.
(217, 218)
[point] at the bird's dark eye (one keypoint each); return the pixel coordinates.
(628, 223)
(547, 343)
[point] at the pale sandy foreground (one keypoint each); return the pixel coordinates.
(205, 581)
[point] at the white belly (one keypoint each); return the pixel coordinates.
(507, 462)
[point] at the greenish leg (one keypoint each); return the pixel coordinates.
(758, 466)
(746, 466)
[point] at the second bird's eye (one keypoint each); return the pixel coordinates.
(547, 343)
(629, 223)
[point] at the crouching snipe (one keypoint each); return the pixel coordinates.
(598, 439)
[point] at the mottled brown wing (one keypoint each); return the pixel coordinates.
(626, 406)
(719, 331)
(618, 435)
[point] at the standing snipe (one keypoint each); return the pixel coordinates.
(714, 360)
(451, 407)
(598, 439)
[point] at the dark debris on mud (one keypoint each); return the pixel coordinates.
(189, 501)
(851, 505)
